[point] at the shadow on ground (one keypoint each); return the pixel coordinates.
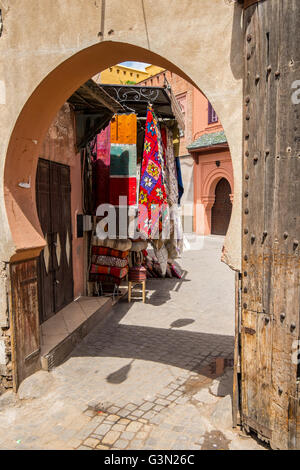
(203, 353)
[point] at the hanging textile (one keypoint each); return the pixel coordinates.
(152, 193)
(171, 172)
(101, 167)
(173, 245)
(123, 158)
(179, 179)
(176, 140)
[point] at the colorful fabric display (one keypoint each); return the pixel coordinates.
(101, 167)
(152, 184)
(162, 257)
(176, 271)
(112, 271)
(123, 159)
(104, 251)
(109, 261)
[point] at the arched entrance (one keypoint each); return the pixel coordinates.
(46, 57)
(79, 54)
(206, 178)
(221, 210)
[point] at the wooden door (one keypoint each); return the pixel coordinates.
(55, 263)
(25, 320)
(60, 196)
(221, 210)
(45, 266)
(271, 223)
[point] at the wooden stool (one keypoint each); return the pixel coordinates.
(132, 284)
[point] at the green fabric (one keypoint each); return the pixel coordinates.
(122, 160)
(208, 140)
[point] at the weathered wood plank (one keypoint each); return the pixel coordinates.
(25, 319)
(271, 282)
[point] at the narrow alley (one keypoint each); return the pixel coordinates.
(151, 376)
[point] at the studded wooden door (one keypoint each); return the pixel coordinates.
(55, 262)
(271, 223)
(221, 210)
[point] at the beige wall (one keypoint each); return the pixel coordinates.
(120, 74)
(49, 48)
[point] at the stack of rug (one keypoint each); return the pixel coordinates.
(108, 265)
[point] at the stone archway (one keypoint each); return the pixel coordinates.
(44, 69)
(71, 60)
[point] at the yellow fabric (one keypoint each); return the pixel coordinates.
(123, 129)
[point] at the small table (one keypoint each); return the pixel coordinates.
(132, 284)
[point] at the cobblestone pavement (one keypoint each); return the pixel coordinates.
(148, 378)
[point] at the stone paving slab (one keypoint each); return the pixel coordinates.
(132, 383)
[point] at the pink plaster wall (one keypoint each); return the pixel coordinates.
(59, 146)
(184, 91)
(200, 116)
(206, 177)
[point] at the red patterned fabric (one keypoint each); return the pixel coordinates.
(152, 185)
(112, 271)
(105, 251)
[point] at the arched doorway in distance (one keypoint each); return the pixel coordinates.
(222, 208)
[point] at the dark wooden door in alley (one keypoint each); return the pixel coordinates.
(269, 324)
(55, 279)
(221, 210)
